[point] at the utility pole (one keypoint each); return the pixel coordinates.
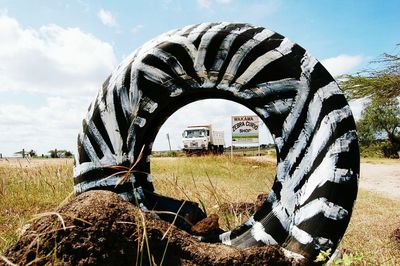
(169, 142)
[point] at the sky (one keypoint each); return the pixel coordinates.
(54, 55)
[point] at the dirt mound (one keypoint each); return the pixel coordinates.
(396, 235)
(99, 228)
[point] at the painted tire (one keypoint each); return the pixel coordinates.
(315, 187)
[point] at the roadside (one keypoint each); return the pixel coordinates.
(382, 177)
(378, 175)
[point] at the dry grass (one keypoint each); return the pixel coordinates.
(26, 190)
(374, 220)
(213, 181)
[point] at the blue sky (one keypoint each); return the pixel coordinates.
(54, 55)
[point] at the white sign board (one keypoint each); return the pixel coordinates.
(245, 129)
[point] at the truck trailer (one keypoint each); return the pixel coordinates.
(201, 139)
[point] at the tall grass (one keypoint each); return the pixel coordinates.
(210, 181)
(214, 182)
(26, 190)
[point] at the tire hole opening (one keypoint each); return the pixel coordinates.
(230, 187)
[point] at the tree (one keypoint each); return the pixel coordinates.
(383, 82)
(32, 153)
(24, 153)
(380, 119)
(60, 153)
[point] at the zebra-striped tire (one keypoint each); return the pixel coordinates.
(315, 187)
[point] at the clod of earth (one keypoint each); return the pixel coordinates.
(98, 227)
(244, 207)
(396, 235)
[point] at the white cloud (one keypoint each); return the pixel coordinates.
(207, 4)
(52, 59)
(63, 67)
(107, 18)
(137, 28)
(224, 1)
(342, 64)
(357, 107)
(54, 125)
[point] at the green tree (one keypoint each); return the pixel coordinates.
(60, 153)
(380, 119)
(383, 81)
(32, 153)
(23, 153)
(53, 153)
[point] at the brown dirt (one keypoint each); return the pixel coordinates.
(102, 229)
(378, 175)
(244, 207)
(207, 226)
(396, 235)
(382, 177)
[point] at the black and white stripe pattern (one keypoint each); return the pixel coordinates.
(311, 201)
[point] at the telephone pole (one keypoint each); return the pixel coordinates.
(169, 142)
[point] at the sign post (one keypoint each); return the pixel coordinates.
(244, 130)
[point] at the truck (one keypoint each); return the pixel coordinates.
(202, 139)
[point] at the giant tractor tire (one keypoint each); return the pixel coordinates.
(311, 201)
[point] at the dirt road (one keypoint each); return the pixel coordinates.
(382, 177)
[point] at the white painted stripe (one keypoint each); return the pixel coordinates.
(100, 141)
(197, 31)
(224, 48)
(327, 170)
(225, 238)
(203, 48)
(91, 153)
(259, 234)
(319, 139)
(169, 59)
(257, 65)
(140, 121)
(107, 114)
(314, 109)
(300, 235)
(125, 103)
(184, 43)
(148, 105)
(271, 88)
(317, 206)
(307, 66)
(242, 53)
(154, 74)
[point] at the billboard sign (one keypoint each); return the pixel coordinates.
(245, 129)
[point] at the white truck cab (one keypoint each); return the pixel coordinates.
(202, 139)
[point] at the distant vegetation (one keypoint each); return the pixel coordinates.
(265, 149)
(56, 153)
(379, 126)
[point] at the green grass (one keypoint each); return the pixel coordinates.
(210, 180)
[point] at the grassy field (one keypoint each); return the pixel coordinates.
(27, 189)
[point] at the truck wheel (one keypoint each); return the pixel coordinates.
(311, 201)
